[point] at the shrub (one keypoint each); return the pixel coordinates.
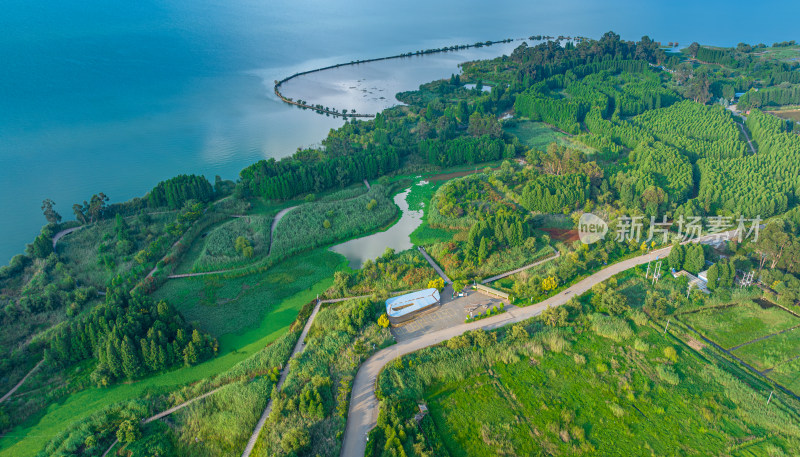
(670, 353)
(668, 375)
(555, 342)
(640, 345)
(610, 327)
(579, 359)
(639, 318)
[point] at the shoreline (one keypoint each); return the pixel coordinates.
(334, 112)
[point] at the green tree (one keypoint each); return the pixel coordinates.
(190, 356)
(695, 259)
(518, 333)
(555, 317)
(131, 365)
(676, 257)
(712, 276)
(49, 213)
(129, 431)
(483, 250)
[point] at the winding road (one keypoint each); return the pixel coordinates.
(64, 233)
(363, 414)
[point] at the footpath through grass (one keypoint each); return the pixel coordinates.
(256, 328)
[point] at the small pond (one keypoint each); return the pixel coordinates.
(396, 237)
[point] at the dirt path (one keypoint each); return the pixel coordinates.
(741, 126)
(275, 221)
(364, 406)
(22, 381)
(509, 273)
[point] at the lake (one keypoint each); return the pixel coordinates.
(114, 96)
(396, 237)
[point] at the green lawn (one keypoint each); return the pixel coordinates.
(254, 318)
(740, 323)
(538, 135)
(772, 351)
(236, 310)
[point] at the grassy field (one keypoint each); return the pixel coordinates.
(793, 114)
(564, 394)
(770, 352)
(217, 249)
(238, 310)
(80, 249)
(538, 135)
(738, 324)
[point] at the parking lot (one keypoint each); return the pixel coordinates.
(452, 312)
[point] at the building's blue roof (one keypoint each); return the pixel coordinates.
(404, 304)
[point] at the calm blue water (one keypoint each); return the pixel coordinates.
(114, 96)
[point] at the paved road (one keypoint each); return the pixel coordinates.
(509, 273)
(298, 348)
(363, 413)
(22, 381)
(64, 233)
(436, 267)
(275, 221)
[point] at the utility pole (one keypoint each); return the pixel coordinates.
(667, 326)
(770, 397)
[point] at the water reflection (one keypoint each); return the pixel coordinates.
(359, 250)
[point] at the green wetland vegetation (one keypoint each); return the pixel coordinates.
(605, 126)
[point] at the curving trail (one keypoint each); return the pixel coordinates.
(64, 233)
(272, 229)
(22, 381)
(363, 414)
(749, 141)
